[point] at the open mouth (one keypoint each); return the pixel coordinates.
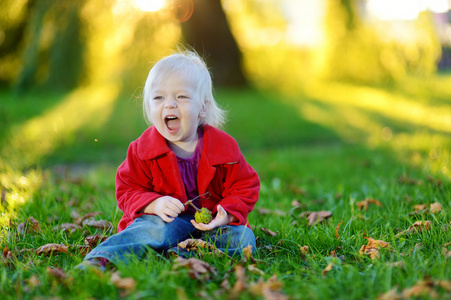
(172, 123)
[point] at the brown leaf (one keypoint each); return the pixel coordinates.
(315, 217)
(196, 244)
(93, 240)
(265, 211)
(409, 181)
(31, 225)
(377, 243)
(33, 281)
(59, 274)
(365, 203)
(71, 227)
(304, 249)
(422, 288)
(396, 264)
(270, 289)
(268, 231)
(50, 249)
(436, 207)
(327, 269)
(420, 207)
(337, 229)
(253, 269)
(247, 257)
(76, 217)
(372, 248)
(417, 227)
(123, 283)
(91, 215)
(197, 269)
(101, 224)
(390, 295)
(7, 258)
(240, 283)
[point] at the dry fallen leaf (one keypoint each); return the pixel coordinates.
(247, 255)
(365, 203)
(436, 207)
(304, 249)
(240, 283)
(390, 295)
(266, 211)
(197, 269)
(372, 247)
(93, 240)
(33, 281)
(253, 269)
(328, 268)
(396, 264)
(101, 224)
(71, 227)
(417, 227)
(377, 243)
(59, 274)
(49, 249)
(270, 289)
(424, 288)
(406, 180)
(337, 229)
(196, 244)
(31, 225)
(268, 232)
(122, 283)
(315, 217)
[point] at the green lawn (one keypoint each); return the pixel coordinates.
(326, 148)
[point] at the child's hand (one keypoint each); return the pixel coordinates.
(222, 218)
(166, 207)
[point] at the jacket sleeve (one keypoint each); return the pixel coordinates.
(241, 189)
(134, 184)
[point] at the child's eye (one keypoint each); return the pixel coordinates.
(158, 98)
(183, 97)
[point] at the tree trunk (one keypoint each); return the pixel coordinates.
(208, 32)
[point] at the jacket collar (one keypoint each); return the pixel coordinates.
(219, 147)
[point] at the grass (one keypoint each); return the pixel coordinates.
(328, 147)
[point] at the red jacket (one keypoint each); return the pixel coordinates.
(151, 171)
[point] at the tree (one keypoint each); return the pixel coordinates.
(208, 32)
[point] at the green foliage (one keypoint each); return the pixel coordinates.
(54, 54)
(364, 51)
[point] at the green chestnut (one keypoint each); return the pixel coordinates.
(203, 216)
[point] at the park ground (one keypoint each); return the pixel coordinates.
(355, 197)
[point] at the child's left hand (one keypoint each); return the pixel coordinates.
(222, 218)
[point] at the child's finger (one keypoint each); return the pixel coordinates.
(174, 207)
(166, 218)
(178, 204)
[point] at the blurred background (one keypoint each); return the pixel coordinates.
(281, 44)
(291, 73)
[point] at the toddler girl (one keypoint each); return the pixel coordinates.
(182, 156)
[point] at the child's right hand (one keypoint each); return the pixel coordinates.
(166, 207)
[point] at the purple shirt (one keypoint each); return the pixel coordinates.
(188, 169)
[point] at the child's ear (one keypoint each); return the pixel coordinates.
(204, 109)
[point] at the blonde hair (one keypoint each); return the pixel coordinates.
(193, 67)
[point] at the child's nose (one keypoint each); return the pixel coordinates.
(170, 103)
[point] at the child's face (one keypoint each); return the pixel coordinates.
(176, 109)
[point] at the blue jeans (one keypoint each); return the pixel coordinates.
(150, 231)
